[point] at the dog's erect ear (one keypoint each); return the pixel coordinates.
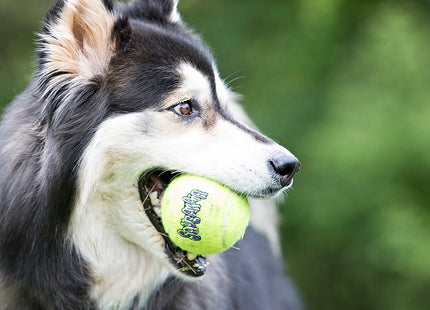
(78, 38)
(159, 11)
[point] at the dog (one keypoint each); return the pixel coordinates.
(124, 99)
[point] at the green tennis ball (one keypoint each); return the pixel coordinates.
(202, 216)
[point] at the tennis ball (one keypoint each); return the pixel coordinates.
(202, 216)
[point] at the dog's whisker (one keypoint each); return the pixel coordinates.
(179, 261)
(189, 266)
(161, 173)
(231, 75)
(236, 87)
(229, 83)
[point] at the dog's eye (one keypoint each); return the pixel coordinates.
(184, 108)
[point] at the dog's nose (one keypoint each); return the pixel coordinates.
(286, 168)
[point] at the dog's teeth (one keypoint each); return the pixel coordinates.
(191, 256)
(157, 211)
(153, 196)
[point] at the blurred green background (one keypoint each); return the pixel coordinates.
(344, 84)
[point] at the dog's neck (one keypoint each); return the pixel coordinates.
(120, 272)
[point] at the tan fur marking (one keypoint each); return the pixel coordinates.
(80, 41)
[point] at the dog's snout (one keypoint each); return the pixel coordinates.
(286, 168)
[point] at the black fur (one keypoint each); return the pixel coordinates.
(109, 5)
(122, 34)
(156, 11)
(52, 15)
(254, 281)
(35, 209)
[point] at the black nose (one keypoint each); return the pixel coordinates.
(286, 167)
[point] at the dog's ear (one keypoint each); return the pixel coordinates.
(79, 38)
(158, 11)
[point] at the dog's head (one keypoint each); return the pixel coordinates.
(146, 96)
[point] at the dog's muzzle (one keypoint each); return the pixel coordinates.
(151, 188)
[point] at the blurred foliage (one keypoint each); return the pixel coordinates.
(344, 84)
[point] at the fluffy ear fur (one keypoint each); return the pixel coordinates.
(77, 41)
(159, 11)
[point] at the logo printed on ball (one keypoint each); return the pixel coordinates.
(190, 220)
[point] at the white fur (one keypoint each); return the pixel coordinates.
(265, 220)
(174, 15)
(124, 251)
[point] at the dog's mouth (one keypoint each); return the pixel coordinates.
(151, 189)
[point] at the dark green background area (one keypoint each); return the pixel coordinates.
(344, 84)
